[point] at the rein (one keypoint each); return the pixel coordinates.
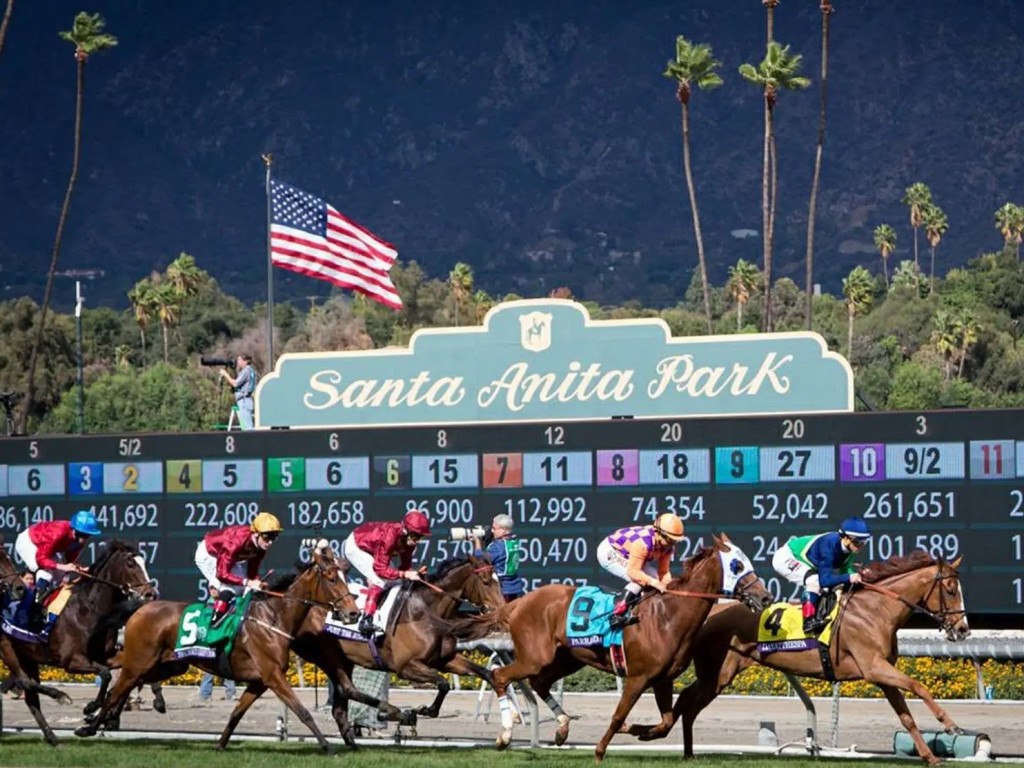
(127, 589)
(941, 617)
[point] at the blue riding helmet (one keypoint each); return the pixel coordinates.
(855, 528)
(84, 521)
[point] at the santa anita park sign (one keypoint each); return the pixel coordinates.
(546, 360)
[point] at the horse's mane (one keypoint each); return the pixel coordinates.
(445, 567)
(690, 564)
(108, 550)
(894, 566)
(282, 581)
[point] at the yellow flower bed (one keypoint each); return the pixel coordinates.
(945, 678)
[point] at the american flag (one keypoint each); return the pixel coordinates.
(310, 237)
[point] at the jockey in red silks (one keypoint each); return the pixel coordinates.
(55, 546)
(230, 557)
(370, 549)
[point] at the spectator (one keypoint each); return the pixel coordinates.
(244, 385)
(503, 549)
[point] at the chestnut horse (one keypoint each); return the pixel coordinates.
(863, 646)
(259, 657)
(657, 649)
(74, 645)
(421, 642)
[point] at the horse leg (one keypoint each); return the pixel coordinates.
(279, 684)
(418, 672)
(159, 705)
(663, 697)
(899, 705)
(101, 694)
(32, 702)
(112, 706)
(460, 665)
(631, 691)
(26, 673)
(345, 690)
(884, 673)
(541, 684)
(252, 692)
(520, 669)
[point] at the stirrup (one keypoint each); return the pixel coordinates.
(366, 626)
(217, 618)
(622, 620)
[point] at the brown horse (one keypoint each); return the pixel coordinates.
(421, 640)
(12, 588)
(118, 574)
(259, 657)
(656, 650)
(863, 645)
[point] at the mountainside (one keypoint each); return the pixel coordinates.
(536, 141)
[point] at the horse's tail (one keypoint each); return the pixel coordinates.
(476, 627)
(104, 635)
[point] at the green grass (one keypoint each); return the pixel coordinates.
(29, 752)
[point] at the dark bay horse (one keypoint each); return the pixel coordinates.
(118, 574)
(863, 646)
(12, 588)
(259, 657)
(657, 649)
(421, 643)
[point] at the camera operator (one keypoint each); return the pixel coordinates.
(243, 384)
(503, 549)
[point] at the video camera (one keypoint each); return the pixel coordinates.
(461, 534)
(7, 399)
(217, 362)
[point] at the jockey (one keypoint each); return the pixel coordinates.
(230, 557)
(55, 546)
(370, 549)
(824, 561)
(503, 550)
(641, 555)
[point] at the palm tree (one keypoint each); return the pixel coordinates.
(769, 9)
(694, 65)
(460, 283)
(743, 279)
(87, 35)
(812, 209)
(122, 356)
(885, 242)
(946, 338)
(857, 288)
(6, 23)
(1010, 223)
(935, 225)
(777, 72)
(967, 327)
(167, 300)
(918, 197)
(143, 299)
(184, 275)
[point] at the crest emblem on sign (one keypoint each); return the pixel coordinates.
(535, 331)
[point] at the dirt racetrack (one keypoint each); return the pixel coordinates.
(730, 720)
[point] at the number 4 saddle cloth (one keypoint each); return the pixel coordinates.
(197, 639)
(781, 629)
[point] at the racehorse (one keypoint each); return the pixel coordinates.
(259, 657)
(657, 648)
(12, 588)
(863, 645)
(421, 642)
(119, 573)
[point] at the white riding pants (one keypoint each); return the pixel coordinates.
(615, 563)
(798, 572)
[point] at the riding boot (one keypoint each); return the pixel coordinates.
(812, 624)
(43, 589)
(366, 621)
(622, 615)
(221, 606)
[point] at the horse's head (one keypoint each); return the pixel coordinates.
(738, 577)
(11, 585)
(324, 582)
(946, 600)
(470, 578)
(123, 566)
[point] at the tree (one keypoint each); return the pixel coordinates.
(946, 338)
(967, 328)
(858, 289)
(167, 301)
(743, 279)
(935, 225)
(917, 197)
(6, 23)
(885, 242)
(769, 11)
(775, 73)
(812, 208)
(122, 356)
(1010, 223)
(143, 299)
(460, 285)
(185, 276)
(694, 65)
(87, 35)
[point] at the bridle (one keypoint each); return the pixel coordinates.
(129, 590)
(8, 582)
(946, 618)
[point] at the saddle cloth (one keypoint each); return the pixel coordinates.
(198, 639)
(385, 607)
(587, 618)
(780, 629)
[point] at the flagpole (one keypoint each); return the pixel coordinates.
(268, 160)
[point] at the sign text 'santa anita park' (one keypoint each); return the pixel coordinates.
(547, 360)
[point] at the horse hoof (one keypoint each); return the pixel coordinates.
(425, 711)
(517, 718)
(561, 737)
(409, 717)
(89, 708)
(83, 731)
(159, 705)
(64, 700)
(503, 740)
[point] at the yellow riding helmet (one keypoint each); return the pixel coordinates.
(669, 526)
(265, 522)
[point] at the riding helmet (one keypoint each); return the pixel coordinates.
(84, 521)
(855, 528)
(265, 522)
(669, 526)
(416, 522)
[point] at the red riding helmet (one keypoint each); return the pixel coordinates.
(417, 523)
